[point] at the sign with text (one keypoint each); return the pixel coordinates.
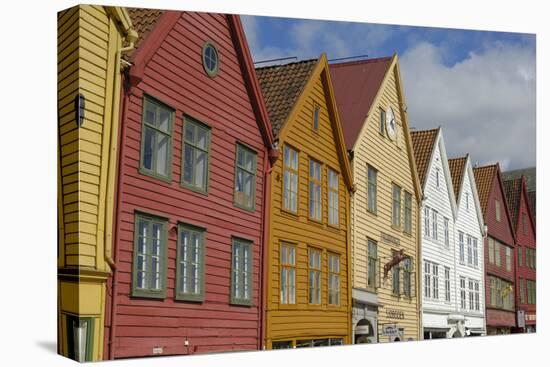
(388, 238)
(392, 313)
(390, 330)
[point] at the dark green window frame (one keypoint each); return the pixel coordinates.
(148, 291)
(156, 131)
(70, 320)
(242, 171)
(192, 146)
(210, 61)
(242, 260)
(190, 263)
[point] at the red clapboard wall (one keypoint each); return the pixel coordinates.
(168, 66)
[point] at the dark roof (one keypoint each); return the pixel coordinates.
(356, 84)
(512, 188)
(143, 21)
(456, 166)
(532, 197)
(530, 174)
(423, 145)
(281, 86)
(484, 181)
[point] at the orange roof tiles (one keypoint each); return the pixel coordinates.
(484, 181)
(423, 145)
(143, 20)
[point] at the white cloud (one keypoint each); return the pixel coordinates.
(485, 103)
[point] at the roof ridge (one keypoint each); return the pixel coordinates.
(425, 131)
(287, 64)
(358, 62)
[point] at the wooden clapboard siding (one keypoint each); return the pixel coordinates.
(301, 320)
(175, 76)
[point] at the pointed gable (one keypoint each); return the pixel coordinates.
(513, 190)
(423, 143)
(356, 85)
(143, 20)
(484, 181)
(456, 166)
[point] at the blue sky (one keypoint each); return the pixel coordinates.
(477, 85)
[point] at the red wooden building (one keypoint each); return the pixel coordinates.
(499, 251)
(526, 244)
(194, 154)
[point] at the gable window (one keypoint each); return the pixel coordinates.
(427, 221)
(435, 280)
(408, 212)
(435, 221)
(210, 59)
(427, 279)
(332, 177)
(314, 276)
(508, 259)
(373, 259)
(149, 256)
(290, 179)
(461, 247)
(190, 263)
(196, 145)
(396, 286)
(447, 284)
(316, 111)
(467, 202)
(372, 185)
(396, 207)
(476, 254)
(241, 272)
(245, 178)
(497, 210)
(524, 223)
(156, 139)
(314, 190)
(333, 279)
(382, 122)
(288, 274)
(446, 231)
(462, 293)
(437, 177)
(470, 250)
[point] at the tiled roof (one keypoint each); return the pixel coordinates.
(456, 166)
(281, 86)
(529, 173)
(423, 145)
(144, 21)
(512, 188)
(484, 182)
(355, 85)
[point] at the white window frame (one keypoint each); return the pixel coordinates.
(446, 231)
(461, 247)
(447, 284)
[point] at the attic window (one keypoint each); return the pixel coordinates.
(316, 118)
(210, 59)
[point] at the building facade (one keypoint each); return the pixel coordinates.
(90, 42)
(384, 206)
(308, 256)
(500, 253)
(526, 254)
(190, 210)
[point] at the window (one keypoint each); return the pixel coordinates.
(491, 250)
(437, 177)
(461, 246)
(314, 277)
(396, 212)
(530, 257)
(290, 178)
(434, 224)
(471, 294)
(502, 293)
(467, 201)
(447, 284)
(427, 279)
(407, 276)
(427, 221)
(493, 291)
(316, 117)
(149, 256)
(382, 122)
(210, 59)
(520, 256)
(241, 270)
(372, 185)
(462, 293)
(435, 281)
(314, 190)
(373, 259)
(395, 278)
(524, 223)
(245, 178)
(470, 250)
(333, 279)
(476, 296)
(288, 274)
(195, 157)
(531, 292)
(521, 291)
(476, 254)
(80, 336)
(156, 139)
(332, 197)
(508, 259)
(408, 212)
(282, 345)
(319, 343)
(446, 231)
(190, 263)
(497, 253)
(497, 210)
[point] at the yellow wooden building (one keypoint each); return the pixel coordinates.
(90, 42)
(384, 207)
(307, 290)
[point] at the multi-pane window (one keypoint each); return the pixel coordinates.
(476, 253)
(290, 178)
(493, 291)
(530, 258)
(461, 247)
(501, 293)
(245, 178)
(396, 286)
(427, 279)
(314, 265)
(476, 296)
(382, 122)
(196, 146)
(435, 221)
(190, 263)
(521, 291)
(435, 281)
(333, 279)
(471, 294)
(316, 111)
(470, 250)
(508, 259)
(427, 221)
(531, 292)
(332, 197)
(314, 190)
(446, 231)
(497, 210)
(491, 250)
(372, 185)
(288, 274)
(396, 207)
(156, 145)
(373, 260)
(407, 276)
(498, 246)
(447, 284)
(520, 256)
(462, 293)
(149, 256)
(241, 270)
(408, 212)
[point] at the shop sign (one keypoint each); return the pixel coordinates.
(392, 313)
(521, 318)
(390, 330)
